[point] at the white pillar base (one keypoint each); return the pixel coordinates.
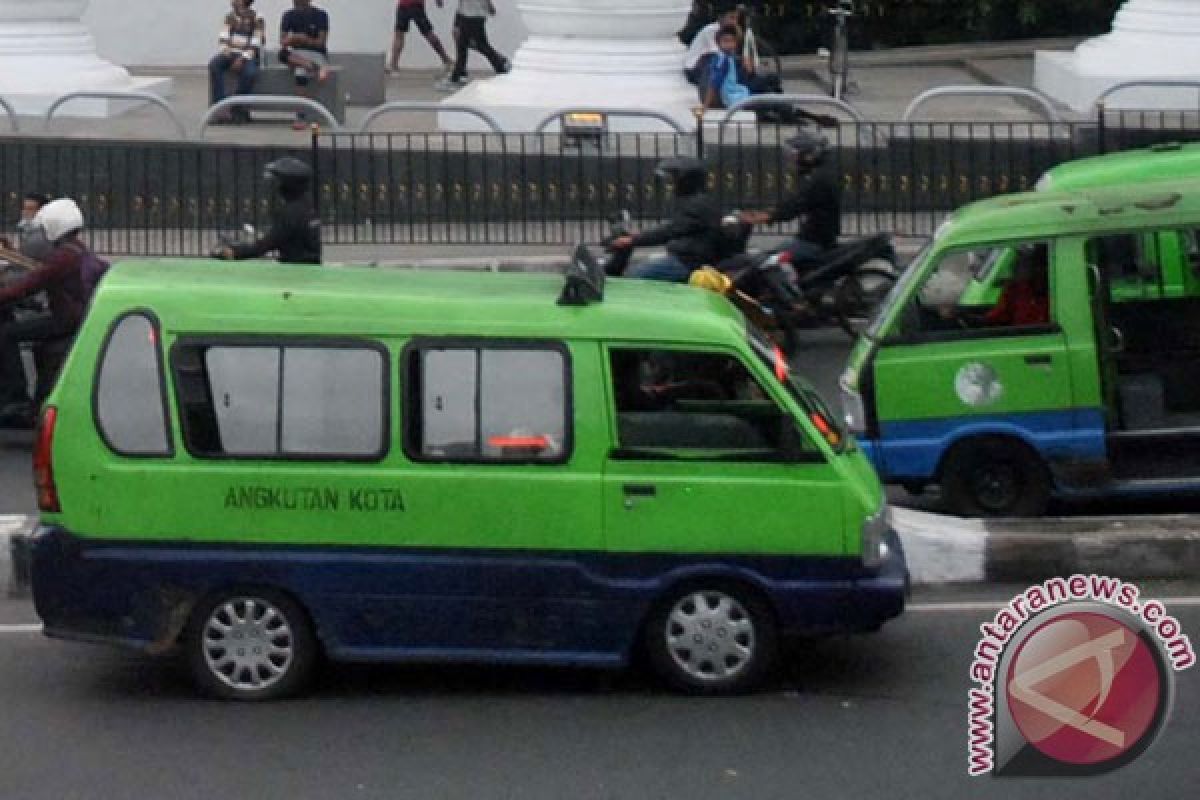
(45, 52)
(1151, 40)
(617, 54)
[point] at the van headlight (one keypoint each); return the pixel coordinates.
(874, 537)
(852, 408)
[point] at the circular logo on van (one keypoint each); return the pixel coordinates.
(978, 385)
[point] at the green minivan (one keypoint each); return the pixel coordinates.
(1037, 346)
(257, 465)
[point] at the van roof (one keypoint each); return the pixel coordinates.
(1035, 215)
(204, 296)
(1170, 161)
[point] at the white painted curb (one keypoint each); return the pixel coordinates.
(942, 549)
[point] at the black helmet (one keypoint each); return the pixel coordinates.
(808, 148)
(291, 175)
(689, 176)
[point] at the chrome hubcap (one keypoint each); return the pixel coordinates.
(248, 644)
(710, 636)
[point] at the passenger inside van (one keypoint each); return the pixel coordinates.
(1026, 298)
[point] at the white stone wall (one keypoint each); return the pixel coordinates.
(183, 32)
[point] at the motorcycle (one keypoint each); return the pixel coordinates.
(247, 235)
(844, 286)
(48, 356)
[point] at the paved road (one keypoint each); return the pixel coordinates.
(874, 716)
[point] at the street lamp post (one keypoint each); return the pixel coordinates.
(1150, 40)
(589, 53)
(46, 51)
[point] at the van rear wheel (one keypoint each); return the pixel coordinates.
(254, 644)
(995, 477)
(711, 638)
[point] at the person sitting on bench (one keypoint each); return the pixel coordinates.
(242, 40)
(303, 38)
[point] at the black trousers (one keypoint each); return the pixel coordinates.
(471, 32)
(14, 384)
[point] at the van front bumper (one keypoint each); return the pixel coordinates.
(862, 604)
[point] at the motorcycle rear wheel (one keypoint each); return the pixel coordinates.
(859, 295)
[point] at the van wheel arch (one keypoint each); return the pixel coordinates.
(995, 474)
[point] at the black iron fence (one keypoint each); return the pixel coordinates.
(497, 189)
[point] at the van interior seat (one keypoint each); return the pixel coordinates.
(1158, 327)
(678, 429)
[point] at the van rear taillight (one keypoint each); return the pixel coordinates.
(43, 462)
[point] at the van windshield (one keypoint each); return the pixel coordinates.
(828, 423)
(898, 293)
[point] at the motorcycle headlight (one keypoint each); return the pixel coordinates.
(874, 537)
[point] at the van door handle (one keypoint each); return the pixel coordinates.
(1039, 359)
(640, 490)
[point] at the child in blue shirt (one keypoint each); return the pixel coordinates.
(724, 87)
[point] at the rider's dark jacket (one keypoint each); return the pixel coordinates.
(693, 235)
(818, 199)
(295, 233)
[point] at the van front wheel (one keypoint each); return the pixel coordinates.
(252, 644)
(711, 638)
(995, 477)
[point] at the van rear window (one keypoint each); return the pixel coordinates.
(488, 404)
(130, 406)
(282, 401)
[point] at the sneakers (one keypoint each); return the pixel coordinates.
(449, 84)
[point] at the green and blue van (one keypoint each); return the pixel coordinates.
(1100, 395)
(258, 464)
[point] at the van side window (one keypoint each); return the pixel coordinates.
(282, 402)
(706, 406)
(131, 409)
(504, 405)
(985, 291)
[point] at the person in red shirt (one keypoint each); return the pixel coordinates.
(61, 279)
(408, 13)
(1026, 298)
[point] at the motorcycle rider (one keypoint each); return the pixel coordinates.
(62, 281)
(817, 198)
(693, 236)
(295, 232)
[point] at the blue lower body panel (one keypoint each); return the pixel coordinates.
(913, 450)
(396, 605)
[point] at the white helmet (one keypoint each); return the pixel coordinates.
(59, 218)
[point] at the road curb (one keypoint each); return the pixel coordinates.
(945, 549)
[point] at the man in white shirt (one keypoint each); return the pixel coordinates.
(704, 47)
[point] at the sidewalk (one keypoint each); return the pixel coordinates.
(887, 81)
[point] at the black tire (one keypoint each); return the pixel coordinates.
(859, 295)
(740, 625)
(265, 620)
(995, 477)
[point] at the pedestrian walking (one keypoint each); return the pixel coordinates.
(409, 13)
(470, 32)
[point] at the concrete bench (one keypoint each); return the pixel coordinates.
(357, 79)
(276, 79)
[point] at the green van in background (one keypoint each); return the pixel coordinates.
(260, 464)
(1080, 375)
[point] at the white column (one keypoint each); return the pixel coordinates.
(45, 51)
(1150, 39)
(591, 53)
